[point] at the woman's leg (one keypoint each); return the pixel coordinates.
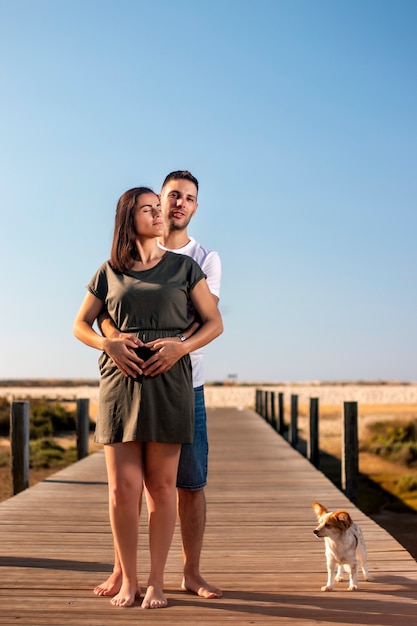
(124, 463)
(112, 584)
(161, 466)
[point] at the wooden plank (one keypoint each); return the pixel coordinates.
(56, 545)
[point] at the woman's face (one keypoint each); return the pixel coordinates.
(148, 219)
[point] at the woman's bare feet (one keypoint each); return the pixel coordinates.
(126, 596)
(154, 598)
(197, 585)
(111, 586)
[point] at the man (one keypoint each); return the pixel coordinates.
(179, 204)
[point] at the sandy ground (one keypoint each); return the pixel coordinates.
(244, 395)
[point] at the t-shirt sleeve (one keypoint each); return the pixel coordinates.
(212, 267)
(99, 285)
(195, 274)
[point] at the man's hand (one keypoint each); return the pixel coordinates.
(167, 352)
(122, 350)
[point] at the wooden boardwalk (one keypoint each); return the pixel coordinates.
(55, 546)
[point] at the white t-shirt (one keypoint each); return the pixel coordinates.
(209, 261)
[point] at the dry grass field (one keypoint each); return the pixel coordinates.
(381, 471)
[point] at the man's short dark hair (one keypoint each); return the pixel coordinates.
(180, 175)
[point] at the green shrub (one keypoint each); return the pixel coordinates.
(4, 458)
(40, 426)
(406, 484)
(395, 441)
(47, 419)
(62, 419)
(47, 453)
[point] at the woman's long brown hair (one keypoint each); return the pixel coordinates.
(123, 251)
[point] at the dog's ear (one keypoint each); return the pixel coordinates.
(319, 509)
(343, 519)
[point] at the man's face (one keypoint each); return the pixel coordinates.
(179, 203)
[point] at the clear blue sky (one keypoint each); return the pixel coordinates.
(299, 119)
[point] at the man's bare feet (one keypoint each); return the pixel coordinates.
(197, 585)
(126, 596)
(154, 598)
(111, 586)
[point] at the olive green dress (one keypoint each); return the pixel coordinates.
(151, 304)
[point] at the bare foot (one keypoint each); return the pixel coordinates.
(200, 587)
(154, 598)
(126, 596)
(111, 586)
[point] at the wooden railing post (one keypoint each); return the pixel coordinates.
(19, 443)
(83, 427)
(293, 435)
(350, 450)
(267, 406)
(313, 440)
(281, 420)
(272, 410)
(260, 401)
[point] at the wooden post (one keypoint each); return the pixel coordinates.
(266, 406)
(83, 427)
(350, 450)
(19, 436)
(260, 401)
(293, 438)
(281, 421)
(273, 416)
(313, 440)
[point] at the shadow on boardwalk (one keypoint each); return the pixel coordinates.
(259, 545)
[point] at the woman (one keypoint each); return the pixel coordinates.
(143, 421)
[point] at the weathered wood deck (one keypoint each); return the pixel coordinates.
(55, 546)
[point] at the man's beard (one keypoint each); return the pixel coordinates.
(175, 225)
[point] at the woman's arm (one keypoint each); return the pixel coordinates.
(83, 325)
(118, 347)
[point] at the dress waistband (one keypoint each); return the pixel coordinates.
(150, 334)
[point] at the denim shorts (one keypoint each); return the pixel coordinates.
(192, 469)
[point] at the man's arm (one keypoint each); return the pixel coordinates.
(171, 349)
(164, 359)
(124, 355)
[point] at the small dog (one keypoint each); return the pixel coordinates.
(344, 541)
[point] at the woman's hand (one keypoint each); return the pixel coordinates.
(121, 349)
(167, 352)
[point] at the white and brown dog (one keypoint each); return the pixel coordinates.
(344, 541)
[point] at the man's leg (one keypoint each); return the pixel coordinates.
(192, 477)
